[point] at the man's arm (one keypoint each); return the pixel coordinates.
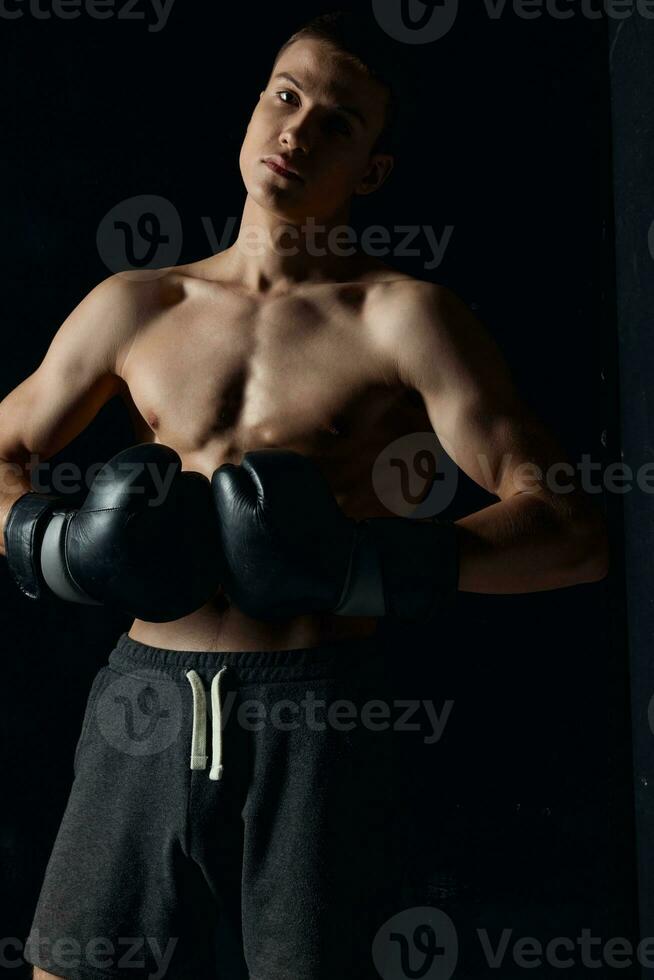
(535, 538)
(77, 376)
(303, 554)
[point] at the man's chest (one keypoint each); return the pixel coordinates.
(229, 376)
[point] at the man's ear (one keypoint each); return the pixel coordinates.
(377, 174)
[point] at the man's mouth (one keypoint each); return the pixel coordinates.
(277, 165)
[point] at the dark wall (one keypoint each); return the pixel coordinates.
(632, 91)
(526, 802)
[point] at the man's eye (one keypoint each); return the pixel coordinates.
(341, 125)
(335, 122)
(286, 92)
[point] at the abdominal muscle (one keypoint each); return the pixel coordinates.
(220, 626)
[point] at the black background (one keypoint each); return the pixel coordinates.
(525, 803)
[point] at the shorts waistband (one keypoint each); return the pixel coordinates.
(339, 658)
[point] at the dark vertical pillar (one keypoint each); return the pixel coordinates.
(632, 103)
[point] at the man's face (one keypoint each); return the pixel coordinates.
(322, 116)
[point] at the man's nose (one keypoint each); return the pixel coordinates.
(294, 140)
(297, 135)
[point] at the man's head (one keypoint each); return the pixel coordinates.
(328, 112)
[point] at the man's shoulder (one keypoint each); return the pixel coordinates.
(407, 304)
(127, 302)
(153, 287)
(395, 286)
(410, 323)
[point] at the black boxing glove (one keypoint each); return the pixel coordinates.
(144, 540)
(289, 548)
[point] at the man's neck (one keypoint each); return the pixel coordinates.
(273, 255)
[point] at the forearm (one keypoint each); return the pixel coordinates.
(526, 544)
(14, 482)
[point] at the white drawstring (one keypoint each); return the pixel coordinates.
(199, 739)
(216, 771)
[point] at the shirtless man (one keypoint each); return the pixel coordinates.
(331, 357)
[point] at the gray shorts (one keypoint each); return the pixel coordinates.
(232, 815)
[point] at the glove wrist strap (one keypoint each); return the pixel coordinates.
(23, 536)
(54, 566)
(401, 568)
(34, 538)
(363, 592)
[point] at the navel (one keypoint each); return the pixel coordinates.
(352, 296)
(335, 427)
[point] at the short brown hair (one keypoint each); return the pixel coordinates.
(360, 39)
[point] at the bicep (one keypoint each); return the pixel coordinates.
(473, 404)
(45, 412)
(503, 447)
(75, 379)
